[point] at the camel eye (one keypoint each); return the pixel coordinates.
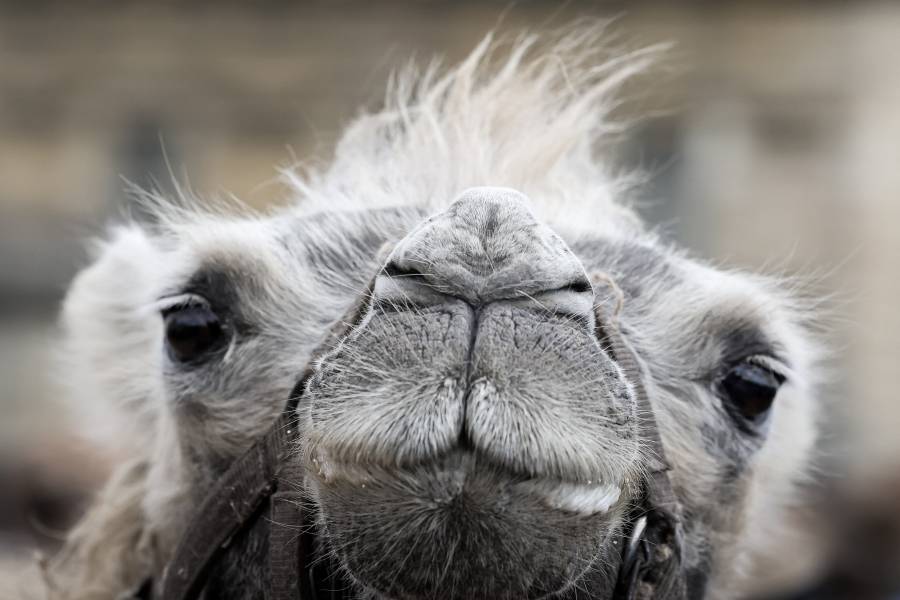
(191, 331)
(749, 390)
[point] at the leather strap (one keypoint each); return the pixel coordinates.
(286, 524)
(651, 563)
(232, 504)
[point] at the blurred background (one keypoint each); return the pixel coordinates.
(773, 144)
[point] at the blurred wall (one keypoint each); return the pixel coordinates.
(773, 145)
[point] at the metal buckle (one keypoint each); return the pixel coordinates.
(634, 541)
(635, 555)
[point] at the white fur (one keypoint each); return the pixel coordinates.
(533, 118)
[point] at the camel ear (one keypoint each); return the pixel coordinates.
(111, 358)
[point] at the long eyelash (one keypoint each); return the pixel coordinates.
(164, 305)
(773, 364)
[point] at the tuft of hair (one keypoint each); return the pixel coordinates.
(533, 113)
(121, 402)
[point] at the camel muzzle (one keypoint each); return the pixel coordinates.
(261, 487)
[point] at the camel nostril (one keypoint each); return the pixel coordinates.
(579, 286)
(574, 301)
(399, 288)
(395, 271)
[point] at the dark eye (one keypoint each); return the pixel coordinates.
(191, 331)
(749, 390)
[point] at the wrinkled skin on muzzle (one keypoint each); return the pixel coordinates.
(470, 438)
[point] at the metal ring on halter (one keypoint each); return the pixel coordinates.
(634, 540)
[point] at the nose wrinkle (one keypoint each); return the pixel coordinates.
(463, 440)
(488, 246)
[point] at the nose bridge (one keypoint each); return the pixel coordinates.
(487, 246)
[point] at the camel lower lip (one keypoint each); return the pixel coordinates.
(581, 499)
(578, 498)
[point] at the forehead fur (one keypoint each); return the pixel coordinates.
(522, 114)
(533, 114)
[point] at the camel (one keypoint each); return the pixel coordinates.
(470, 435)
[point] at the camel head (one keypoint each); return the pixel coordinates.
(471, 435)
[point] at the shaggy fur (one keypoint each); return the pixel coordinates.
(528, 115)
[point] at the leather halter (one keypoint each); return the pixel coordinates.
(649, 564)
